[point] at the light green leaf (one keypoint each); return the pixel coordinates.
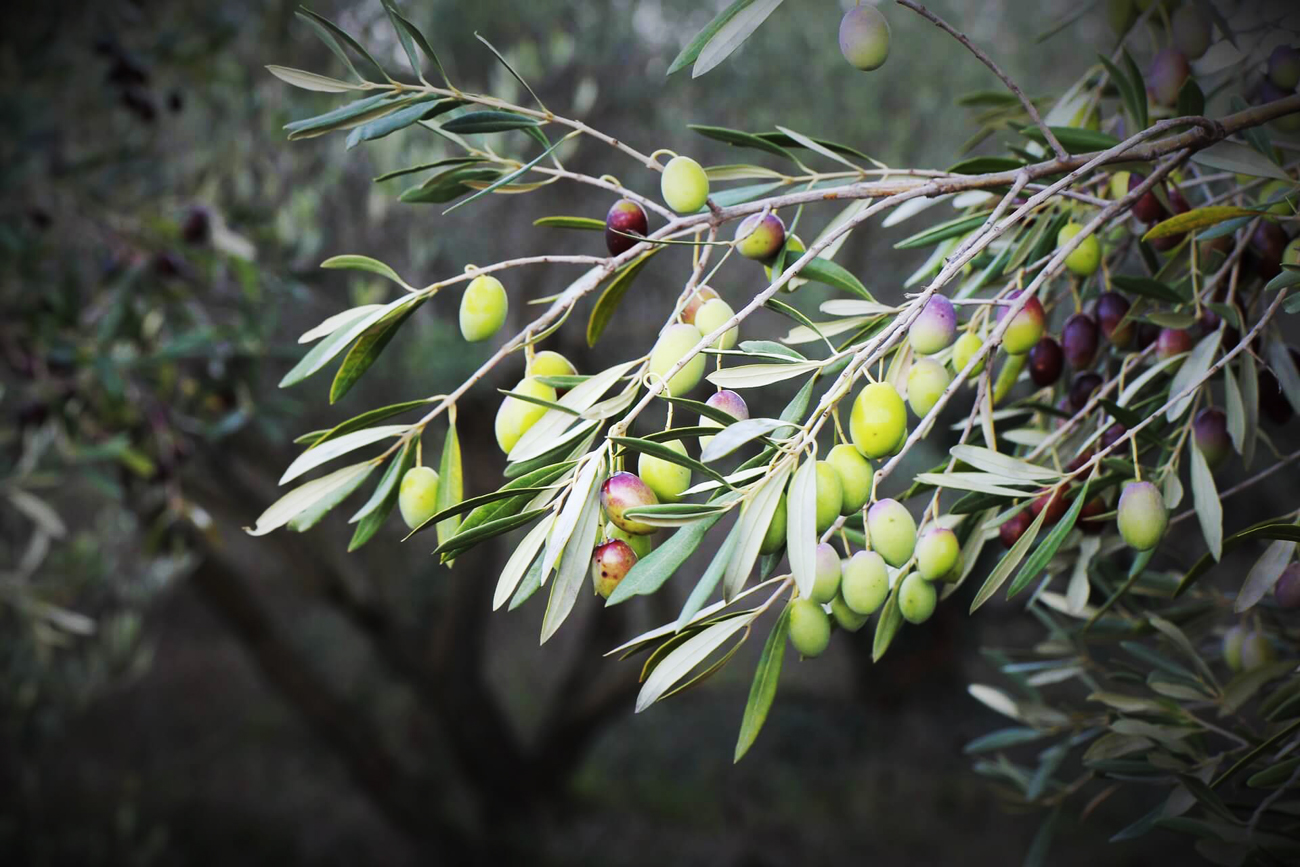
(734, 436)
(1238, 158)
(709, 580)
(363, 263)
(1235, 410)
(304, 497)
(1012, 469)
(519, 561)
(368, 348)
(311, 81)
(610, 299)
(575, 563)
(334, 448)
(370, 517)
(1195, 367)
(584, 488)
(755, 517)
(451, 483)
(759, 375)
(1008, 563)
(1264, 574)
(732, 32)
(650, 572)
(686, 657)
(337, 321)
(543, 435)
(983, 483)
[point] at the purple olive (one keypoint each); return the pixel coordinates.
(935, 328)
(1081, 389)
(1053, 503)
(1145, 333)
(1210, 433)
(1014, 527)
(730, 403)
(624, 215)
(760, 236)
(1079, 340)
(1147, 208)
(1112, 307)
(196, 228)
(1045, 362)
(610, 564)
(1088, 521)
(1173, 341)
(1166, 75)
(1287, 589)
(623, 491)
(1112, 434)
(1180, 206)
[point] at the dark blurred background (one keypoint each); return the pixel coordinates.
(175, 692)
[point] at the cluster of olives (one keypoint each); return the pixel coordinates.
(516, 416)
(849, 591)
(1246, 649)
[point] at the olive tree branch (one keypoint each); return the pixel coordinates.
(988, 61)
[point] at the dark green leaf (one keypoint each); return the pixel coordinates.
(612, 297)
(448, 185)
(487, 121)
(1265, 530)
(466, 539)
(1076, 140)
(1139, 85)
(1147, 287)
(373, 514)
(709, 580)
(763, 690)
(944, 231)
(791, 313)
(416, 110)
(825, 271)
(785, 141)
(531, 584)
(1191, 99)
(318, 21)
(505, 179)
(651, 571)
(449, 161)
(888, 624)
(414, 33)
(740, 195)
(1049, 546)
(510, 498)
(506, 63)
(344, 117)
(663, 452)
(693, 48)
(367, 349)
(741, 139)
(1128, 95)
(451, 483)
(1003, 738)
(984, 165)
(722, 418)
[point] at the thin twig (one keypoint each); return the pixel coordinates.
(988, 61)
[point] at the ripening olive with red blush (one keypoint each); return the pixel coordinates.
(1045, 362)
(610, 564)
(1165, 77)
(626, 216)
(1088, 521)
(1053, 503)
(1286, 592)
(1147, 208)
(1014, 527)
(1267, 246)
(935, 327)
(1172, 341)
(1026, 327)
(1179, 206)
(1112, 434)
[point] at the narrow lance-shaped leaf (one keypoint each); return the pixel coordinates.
(686, 657)
(709, 580)
(1264, 574)
(1008, 563)
(1194, 369)
(304, 497)
(574, 563)
(651, 571)
(366, 350)
(451, 483)
(754, 519)
(1035, 564)
(317, 455)
(1205, 496)
(801, 532)
(888, 623)
(370, 517)
(524, 556)
(732, 34)
(609, 300)
(763, 690)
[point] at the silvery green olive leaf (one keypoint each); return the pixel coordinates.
(1008, 563)
(424, 167)
(759, 375)
(709, 580)
(523, 556)
(345, 117)
(1205, 496)
(571, 574)
(310, 80)
(364, 263)
(888, 622)
(738, 434)
(740, 172)
(338, 447)
(323, 352)
(664, 453)
(612, 297)
(510, 499)
(739, 195)
(732, 32)
(681, 661)
(1234, 410)
(451, 484)
(943, 231)
(800, 335)
(539, 401)
(413, 32)
(314, 514)
(1229, 156)
(984, 483)
(674, 514)
(541, 437)
(755, 517)
(370, 517)
(528, 587)
(327, 29)
(740, 139)
(1149, 288)
(368, 348)
(1285, 279)
(737, 478)
(801, 530)
(791, 313)
(1035, 564)
(304, 497)
(572, 445)
(337, 321)
(770, 348)
(1264, 574)
(763, 690)
(503, 183)
(585, 486)
(1079, 587)
(467, 538)
(854, 307)
(1284, 368)
(412, 112)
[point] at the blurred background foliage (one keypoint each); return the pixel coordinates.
(174, 692)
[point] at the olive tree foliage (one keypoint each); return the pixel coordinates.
(1124, 232)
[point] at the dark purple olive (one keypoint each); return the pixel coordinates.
(1267, 244)
(1112, 434)
(1210, 433)
(1014, 527)
(1045, 362)
(1079, 340)
(1082, 388)
(624, 215)
(196, 226)
(1165, 77)
(1147, 208)
(1112, 307)
(1173, 341)
(1088, 521)
(1147, 333)
(1054, 504)
(1169, 242)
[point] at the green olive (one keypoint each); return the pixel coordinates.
(810, 628)
(483, 308)
(417, 497)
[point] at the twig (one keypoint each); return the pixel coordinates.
(988, 61)
(1241, 486)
